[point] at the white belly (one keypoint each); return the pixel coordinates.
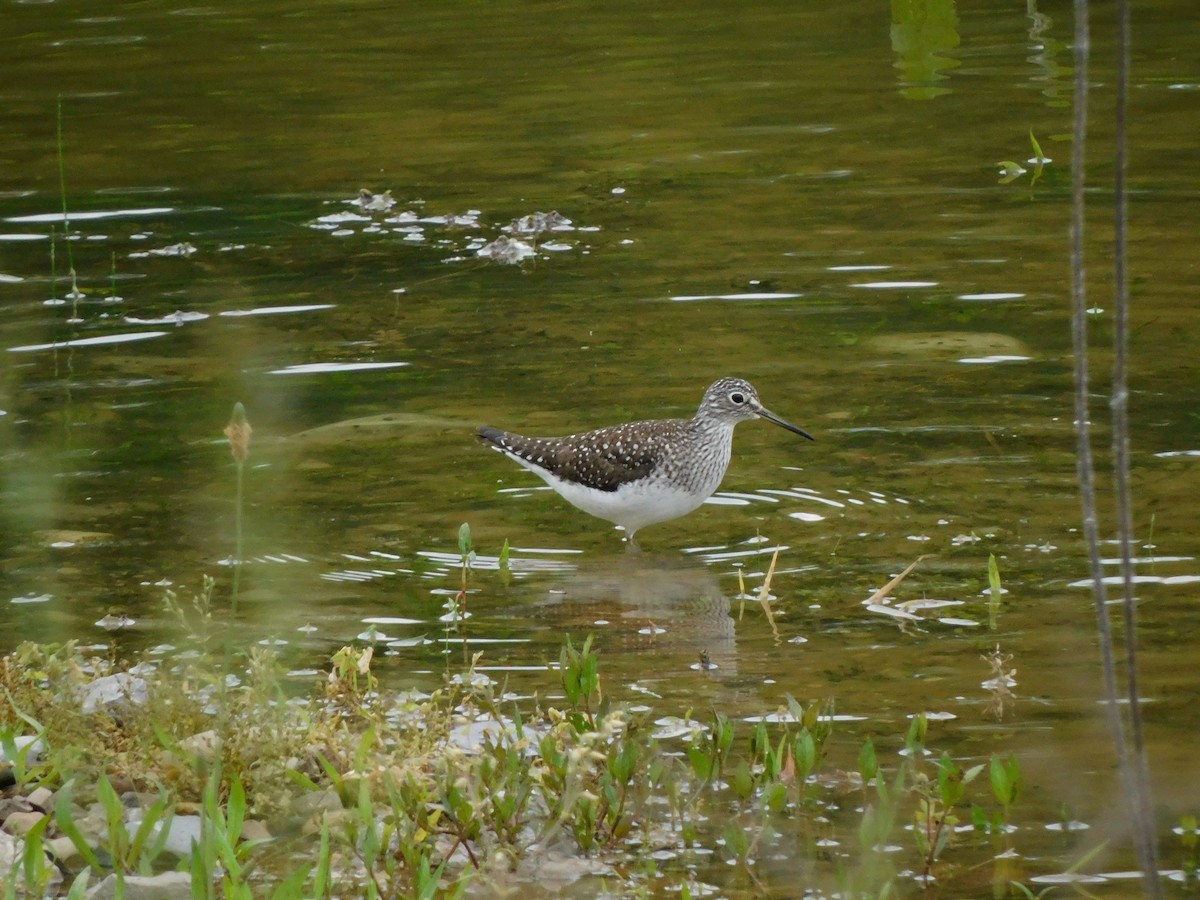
(631, 506)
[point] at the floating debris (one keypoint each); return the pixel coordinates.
(509, 251)
(373, 202)
(538, 222)
(183, 249)
(458, 233)
(885, 610)
(469, 219)
(177, 318)
(926, 603)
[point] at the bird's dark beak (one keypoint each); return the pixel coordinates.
(765, 413)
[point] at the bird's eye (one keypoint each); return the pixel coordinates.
(737, 398)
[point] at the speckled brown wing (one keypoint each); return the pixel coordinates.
(603, 459)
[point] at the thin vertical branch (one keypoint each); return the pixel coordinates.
(1138, 800)
(1079, 314)
(1139, 773)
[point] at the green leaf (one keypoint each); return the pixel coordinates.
(1010, 171)
(301, 779)
(867, 838)
(237, 809)
(776, 797)
(505, 568)
(979, 818)
(1037, 148)
(202, 875)
(724, 729)
(464, 540)
(34, 860)
(950, 785)
(915, 740)
(622, 766)
(805, 754)
(993, 577)
(335, 777)
(79, 887)
(114, 813)
(736, 841)
(743, 781)
(160, 814)
(66, 824)
(868, 763)
(701, 762)
(1006, 779)
(321, 878)
(760, 741)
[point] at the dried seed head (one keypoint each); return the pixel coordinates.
(238, 432)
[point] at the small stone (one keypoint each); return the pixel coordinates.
(10, 854)
(10, 805)
(64, 851)
(43, 798)
(113, 692)
(22, 741)
(307, 809)
(167, 886)
(255, 830)
(19, 823)
(182, 834)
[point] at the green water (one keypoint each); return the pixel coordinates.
(806, 195)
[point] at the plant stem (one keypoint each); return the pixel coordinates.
(62, 190)
(238, 541)
(1139, 776)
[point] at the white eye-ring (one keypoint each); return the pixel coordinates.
(737, 398)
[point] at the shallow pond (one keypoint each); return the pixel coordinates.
(807, 196)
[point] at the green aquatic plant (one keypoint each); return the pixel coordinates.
(466, 552)
(1006, 782)
(53, 266)
(868, 762)
(708, 753)
(1011, 170)
(994, 591)
(504, 565)
(935, 818)
(112, 279)
(579, 672)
